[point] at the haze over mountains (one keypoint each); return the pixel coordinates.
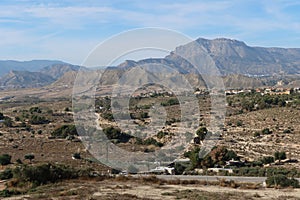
(238, 63)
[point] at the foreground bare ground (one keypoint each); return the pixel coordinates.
(122, 190)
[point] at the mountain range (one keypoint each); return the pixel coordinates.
(240, 65)
(32, 79)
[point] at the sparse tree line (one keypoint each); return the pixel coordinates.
(257, 101)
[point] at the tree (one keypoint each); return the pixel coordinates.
(266, 131)
(64, 131)
(282, 180)
(1, 116)
(202, 132)
(179, 168)
(35, 119)
(76, 156)
(7, 122)
(5, 159)
(113, 133)
(267, 160)
(280, 155)
(6, 174)
(29, 157)
(35, 109)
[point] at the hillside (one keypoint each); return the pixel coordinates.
(27, 79)
(58, 70)
(240, 65)
(24, 79)
(230, 57)
(33, 66)
(235, 57)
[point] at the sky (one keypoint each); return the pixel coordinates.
(68, 30)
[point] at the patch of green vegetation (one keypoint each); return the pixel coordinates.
(170, 102)
(36, 119)
(162, 134)
(5, 159)
(64, 131)
(116, 134)
(282, 180)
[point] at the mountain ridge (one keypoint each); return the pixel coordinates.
(234, 59)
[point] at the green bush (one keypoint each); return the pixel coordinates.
(256, 134)
(8, 193)
(282, 180)
(35, 109)
(43, 174)
(5, 159)
(29, 157)
(36, 119)
(6, 174)
(152, 141)
(202, 132)
(179, 168)
(1, 116)
(239, 123)
(161, 134)
(267, 160)
(8, 122)
(113, 133)
(266, 131)
(280, 155)
(170, 102)
(64, 131)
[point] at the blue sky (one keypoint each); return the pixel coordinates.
(69, 29)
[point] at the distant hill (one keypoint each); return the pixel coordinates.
(66, 80)
(33, 66)
(235, 57)
(27, 79)
(240, 65)
(58, 70)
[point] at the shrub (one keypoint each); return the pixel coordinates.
(1, 116)
(280, 155)
(179, 168)
(6, 174)
(113, 133)
(266, 131)
(35, 109)
(287, 131)
(152, 141)
(267, 160)
(76, 156)
(161, 134)
(202, 132)
(282, 180)
(5, 159)
(239, 123)
(64, 131)
(43, 174)
(256, 134)
(7, 122)
(170, 102)
(29, 157)
(36, 119)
